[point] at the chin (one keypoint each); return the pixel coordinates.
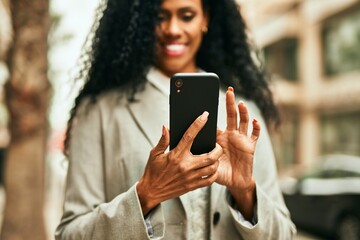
(172, 69)
(172, 65)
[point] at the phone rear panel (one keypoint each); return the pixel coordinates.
(190, 95)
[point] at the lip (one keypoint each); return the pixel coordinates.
(174, 49)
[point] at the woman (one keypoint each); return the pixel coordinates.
(114, 130)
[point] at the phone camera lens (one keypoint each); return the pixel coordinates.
(179, 83)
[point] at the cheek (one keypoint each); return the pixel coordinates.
(196, 39)
(195, 33)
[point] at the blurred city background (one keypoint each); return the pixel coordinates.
(311, 51)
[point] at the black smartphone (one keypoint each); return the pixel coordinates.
(190, 95)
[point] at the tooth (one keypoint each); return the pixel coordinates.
(175, 47)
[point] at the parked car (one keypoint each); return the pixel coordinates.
(326, 201)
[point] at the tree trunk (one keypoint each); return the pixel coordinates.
(27, 95)
(5, 28)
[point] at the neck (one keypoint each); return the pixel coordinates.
(170, 73)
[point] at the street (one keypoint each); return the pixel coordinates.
(305, 236)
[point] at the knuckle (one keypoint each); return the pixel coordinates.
(153, 151)
(211, 159)
(212, 169)
(187, 137)
(244, 117)
(198, 124)
(172, 155)
(182, 167)
(207, 161)
(230, 103)
(209, 181)
(187, 186)
(232, 114)
(187, 178)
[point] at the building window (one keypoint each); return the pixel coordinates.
(341, 41)
(284, 139)
(341, 133)
(281, 59)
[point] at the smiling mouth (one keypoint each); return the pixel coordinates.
(174, 50)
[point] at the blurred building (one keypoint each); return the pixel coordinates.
(311, 50)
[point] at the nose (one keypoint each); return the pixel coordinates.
(172, 27)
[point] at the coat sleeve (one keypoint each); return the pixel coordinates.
(273, 218)
(86, 214)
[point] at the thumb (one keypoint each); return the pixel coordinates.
(218, 132)
(163, 142)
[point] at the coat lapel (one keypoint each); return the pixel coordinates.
(150, 112)
(216, 191)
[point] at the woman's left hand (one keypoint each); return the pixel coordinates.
(236, 163)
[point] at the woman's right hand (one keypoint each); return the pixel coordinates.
(170, 175)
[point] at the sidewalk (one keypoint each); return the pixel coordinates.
(305, 236)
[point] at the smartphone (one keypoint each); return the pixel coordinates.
(190, 95)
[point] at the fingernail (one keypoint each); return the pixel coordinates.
(163, 130)
(204, 116)
(231, 89)
(255, 121)
(241, 102)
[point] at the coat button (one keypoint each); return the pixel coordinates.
(216, 218)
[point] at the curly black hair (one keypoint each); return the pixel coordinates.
(123, 49)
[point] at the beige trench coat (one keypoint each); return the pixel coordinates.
(110, 145)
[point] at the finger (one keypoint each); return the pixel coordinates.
(200, 181)
(218, 132)
(195, 178)
(208, 158)
(207, 181)
(162, 144)
(256, 131)
(231, 109)
(216, 152)
(204, 172)
(244, 118)
(190, 134)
